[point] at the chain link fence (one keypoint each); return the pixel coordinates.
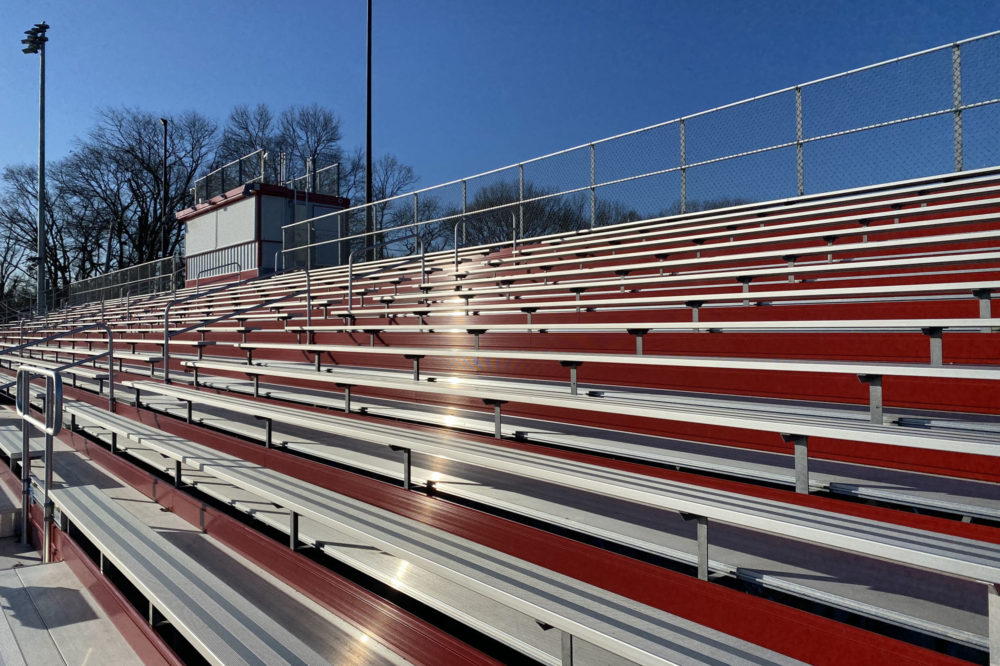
(152, 277)
(923, 114)
(260, 167)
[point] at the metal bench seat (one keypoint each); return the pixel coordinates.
(977, 289)
(644, 259)
(223, 626)
(906, 546)
(957, 496)
(728, 227)
(859, 199)
(624, 627)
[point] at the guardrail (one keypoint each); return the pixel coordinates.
(155, 276)
(913, 116)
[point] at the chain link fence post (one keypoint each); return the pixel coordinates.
(683, 206)
(799, 176)
(956, 93)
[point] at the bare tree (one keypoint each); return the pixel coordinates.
(127, 147)
(246, 131)
(309, 133)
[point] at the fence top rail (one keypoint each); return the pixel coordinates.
(105, 276)
(679, 119)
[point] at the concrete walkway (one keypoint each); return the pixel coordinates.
(49, 618)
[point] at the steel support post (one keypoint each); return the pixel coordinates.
(188, 415)
(25, 479)
(416, 365)
(567, 649)
(683, 169)
(874, 396)
(702, 548)
(985, 306)
(799, 174)
(956, 92)
(933, 333)
(177, 474)
(47, 503)
(497, 434)
(593, 191)
(572, 365)
(695, 306)
(347, 398)
(993, 622)
(801, 447)
(256, 386)
(406, 465)
(293, 530)
(520, 198)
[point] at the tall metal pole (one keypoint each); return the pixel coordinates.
(369, 217)
(163, 240)
(40, 292)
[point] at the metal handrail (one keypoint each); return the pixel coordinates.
(50, 428)
(197, 278)
(166, 316)
(110, 353)
(222, 169)
(350, 263)
(172, 273)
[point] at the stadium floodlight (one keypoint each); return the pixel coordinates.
(36, 44)
(36, 38)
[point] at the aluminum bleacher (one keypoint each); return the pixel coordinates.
(668, 441)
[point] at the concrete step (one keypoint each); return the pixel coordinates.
(49, 618)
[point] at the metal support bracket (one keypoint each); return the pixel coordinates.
(572, 365)
(874, 396)
(801, 444)
(638, 333)
(937, 344)
(268, 430)
(702, 538)
(496, 416)
(347, 397)
(293, 530)
(695, 306)
(407, 457)
(416, 364)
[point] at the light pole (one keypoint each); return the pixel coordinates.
(36, 44)
(369, 216)
(163, 239)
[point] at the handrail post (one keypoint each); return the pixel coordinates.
(25, 477)
(197, 279)
(309, 298)
(50, 427)
(166, 343)
(423, 259)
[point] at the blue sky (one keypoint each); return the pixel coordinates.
(460, 86)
